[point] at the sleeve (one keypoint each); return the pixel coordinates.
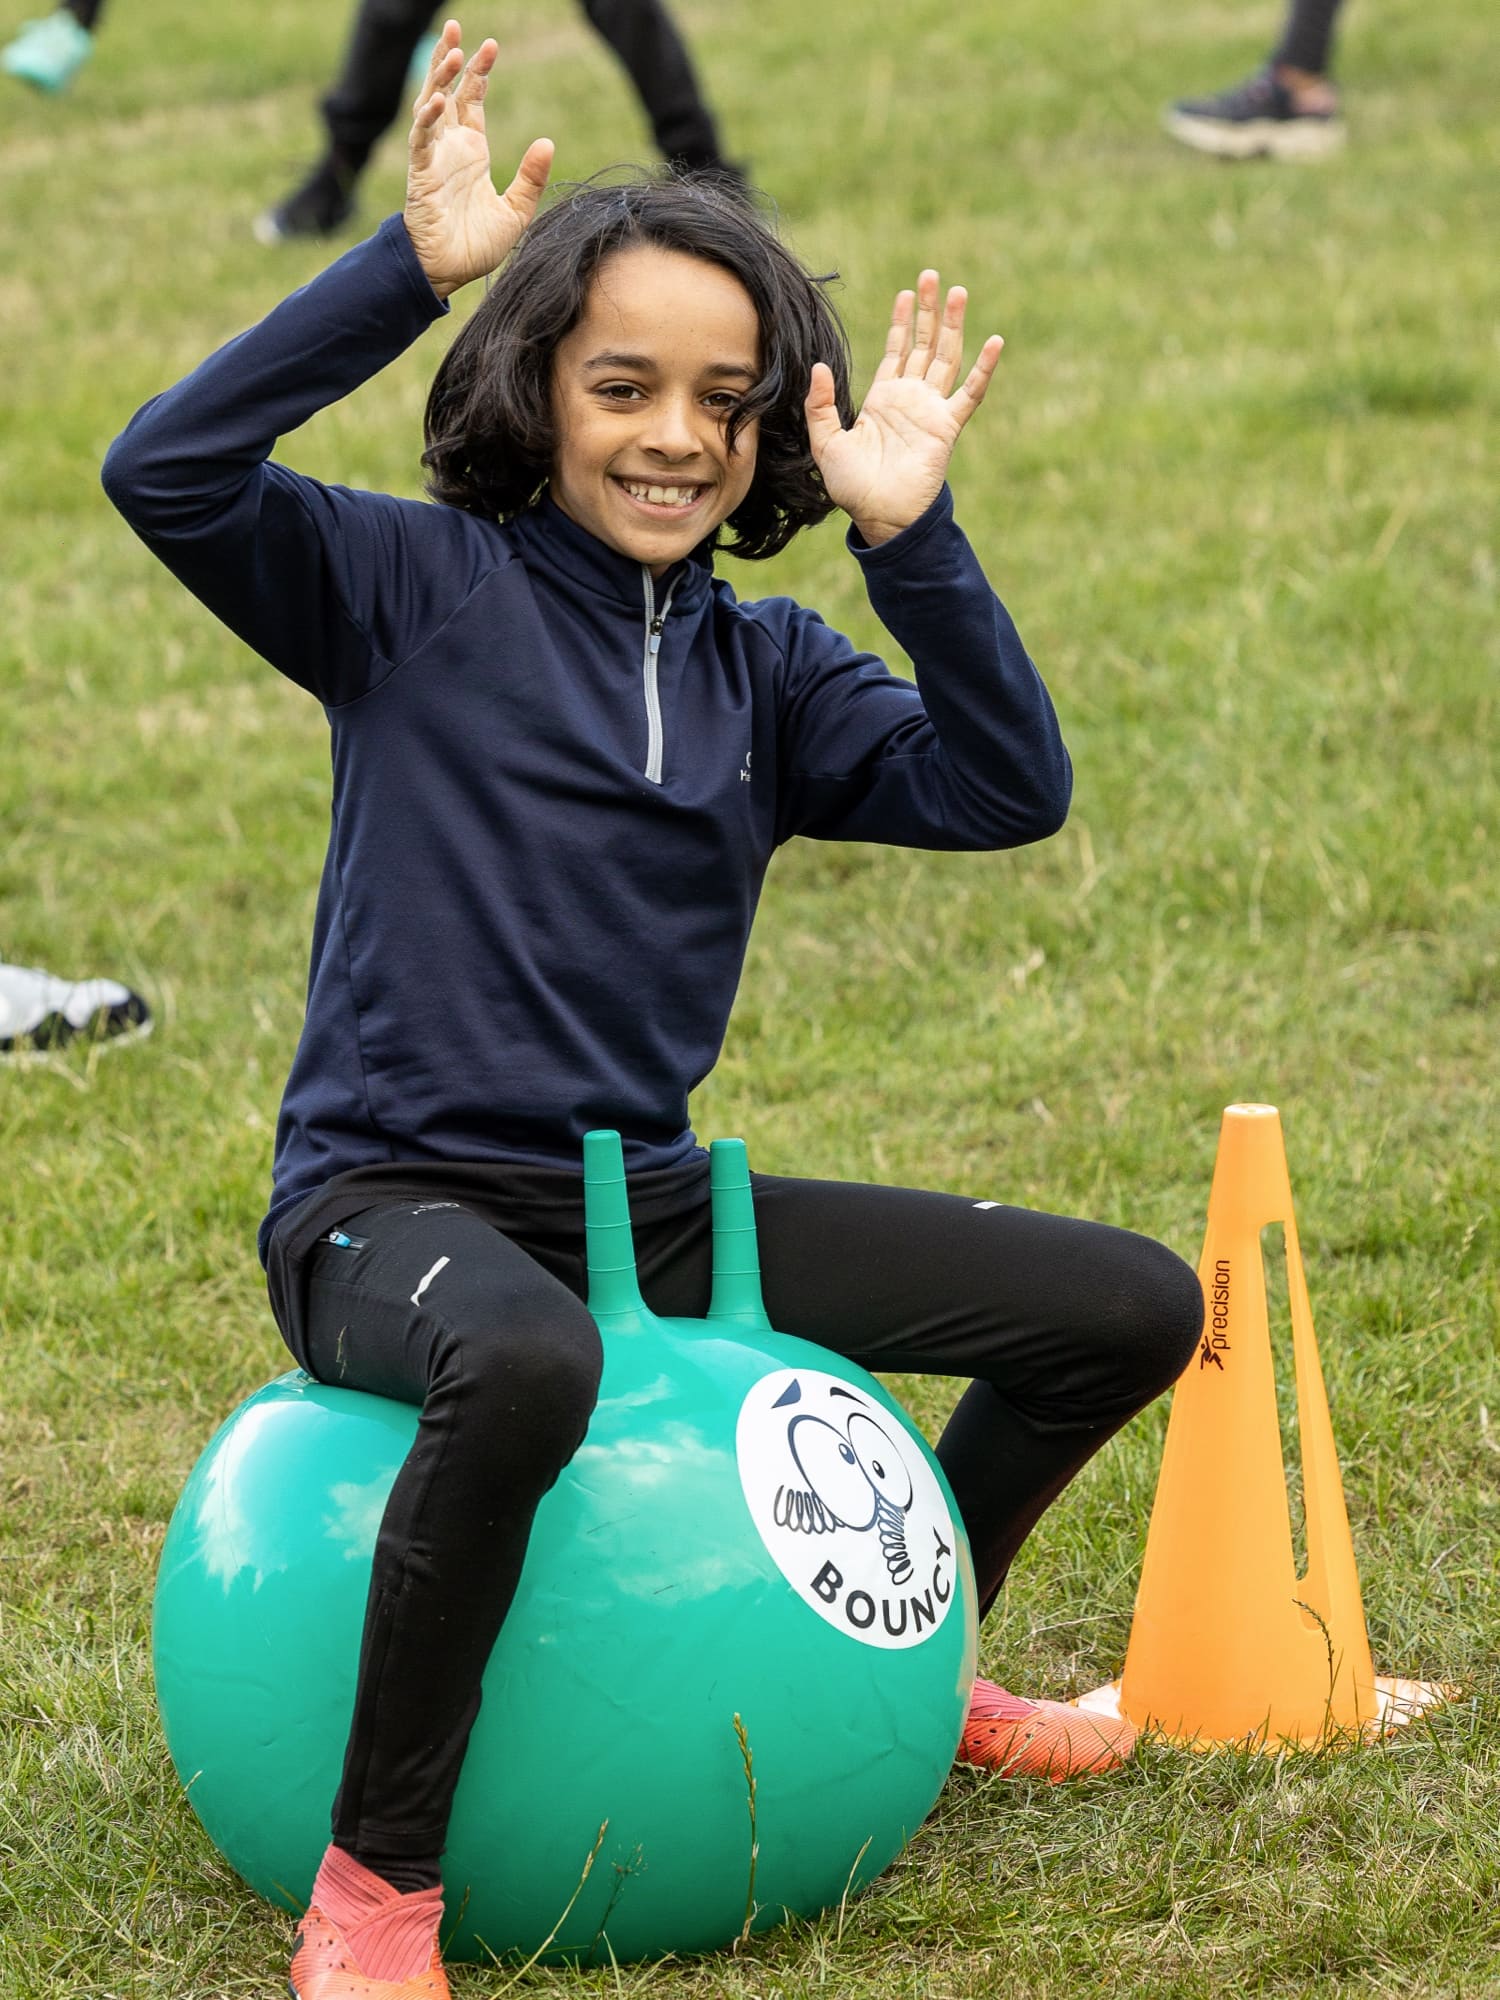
(970, 757)
(325, 583)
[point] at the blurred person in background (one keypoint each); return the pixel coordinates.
(1289, 109)
(392, 37)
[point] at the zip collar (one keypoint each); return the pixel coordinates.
(551, 541)
(656, 619)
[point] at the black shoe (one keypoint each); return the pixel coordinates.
(1257, 117)
(323, 203)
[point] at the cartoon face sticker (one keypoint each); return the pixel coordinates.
(856, 1478)
(847, 1503)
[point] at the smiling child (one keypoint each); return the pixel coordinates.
(564, 755)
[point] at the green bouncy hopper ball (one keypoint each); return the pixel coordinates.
(752, 1568)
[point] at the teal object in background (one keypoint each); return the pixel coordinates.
(752, 1552)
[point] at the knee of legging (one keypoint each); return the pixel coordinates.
(528, 1391)
(1125, 1331)
(1150, 1322)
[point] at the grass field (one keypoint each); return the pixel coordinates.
(1237, 483)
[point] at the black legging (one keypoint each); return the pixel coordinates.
(1308, 36)
(1067, 1329)
(364, 102)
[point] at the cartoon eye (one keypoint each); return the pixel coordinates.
(884, 1466)
(831, 1467)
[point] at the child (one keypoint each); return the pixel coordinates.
(563, 754)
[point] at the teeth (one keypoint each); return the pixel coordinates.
(662, 496)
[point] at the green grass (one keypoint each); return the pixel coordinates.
(1237, 482)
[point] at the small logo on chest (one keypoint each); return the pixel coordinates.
(745, 768)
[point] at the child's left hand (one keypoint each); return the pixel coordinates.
(889, 467)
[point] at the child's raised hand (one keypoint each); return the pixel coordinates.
(459, 226)
(886, 470)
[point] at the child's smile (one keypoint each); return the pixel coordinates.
(673, 498)
(642, 391)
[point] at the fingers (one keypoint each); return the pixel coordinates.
(898, 340)
(938, 339)
(821, 410)
(530, 182)
(452, 83)
(468, 98)
(971, 394)
(919, 360)
(442, 69)
(948, 348)
(927, 344)
(426, 120)
(432, 99)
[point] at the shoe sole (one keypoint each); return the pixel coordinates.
(1257, 138)
(50, 86)
(28, 1052)
(273, 232)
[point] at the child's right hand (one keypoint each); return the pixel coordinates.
(459, 226)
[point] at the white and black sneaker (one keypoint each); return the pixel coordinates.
(40, 1013)
(1259, 118)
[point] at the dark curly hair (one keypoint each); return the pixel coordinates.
(489, 430)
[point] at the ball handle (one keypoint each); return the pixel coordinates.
(736, 1294)
(614, 1290)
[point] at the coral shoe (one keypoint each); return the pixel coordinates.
(324, 1967)
(1040, 1739)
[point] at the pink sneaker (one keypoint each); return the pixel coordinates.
(323, 1968)
(1040, 1739)
(381, 1946)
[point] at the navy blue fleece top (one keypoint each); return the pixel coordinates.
(549, 835)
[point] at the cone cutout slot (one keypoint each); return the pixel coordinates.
(1274, 1276)
(1239, 1637)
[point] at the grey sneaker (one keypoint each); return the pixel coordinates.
(1257, 118)
(39, 1012)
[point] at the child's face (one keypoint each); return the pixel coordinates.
(642, 389)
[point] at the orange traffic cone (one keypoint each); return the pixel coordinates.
(1229, 1644)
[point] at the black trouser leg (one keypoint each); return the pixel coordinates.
(1064, 1328)
(437, 1308)
(363, 104)
(644, 37)
(86, 12)
(1307, 38)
